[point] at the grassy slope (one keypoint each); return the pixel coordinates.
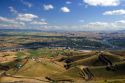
(57, 72)
(99, 73)
(94, 61)
(77, 56)
(35, 69)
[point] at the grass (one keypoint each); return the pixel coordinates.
(20, 55)
(93, 60)
(75, 56)
(45, 67)
(35, 69)
(45, 52)
(90, 61)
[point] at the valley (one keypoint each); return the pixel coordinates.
(51, 57)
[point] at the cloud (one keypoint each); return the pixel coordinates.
(48, 6)
(120, 23)
(26, 17)
(39, 22)
(11, 23)
(22, 21)
(13, 10)
(97, 25)
(68, 2)
(102, 2)
(116, 25)
(28, 4)
(81, 20)
(4, 19)
(65, 9)
(115, 12)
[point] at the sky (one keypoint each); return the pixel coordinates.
(63, 15)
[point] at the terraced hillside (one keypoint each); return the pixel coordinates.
(97, 66)
(67, 67)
